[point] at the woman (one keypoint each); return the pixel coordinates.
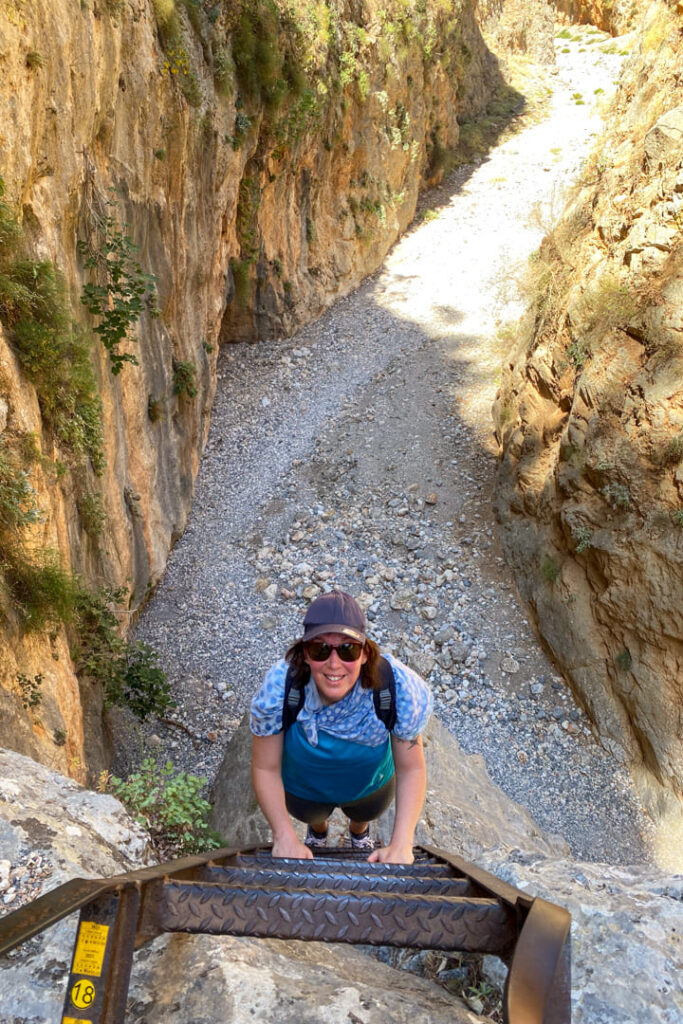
(338, 753)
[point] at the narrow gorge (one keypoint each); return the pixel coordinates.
(266, 271)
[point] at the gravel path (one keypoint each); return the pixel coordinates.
(360, 453)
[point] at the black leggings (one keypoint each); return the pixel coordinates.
(366, 809)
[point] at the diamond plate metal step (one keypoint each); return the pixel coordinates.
(419, 921)
(422, 869)
(335, 879)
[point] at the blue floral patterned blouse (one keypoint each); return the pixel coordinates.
(351, 718)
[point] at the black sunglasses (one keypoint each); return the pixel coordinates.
(318, 650)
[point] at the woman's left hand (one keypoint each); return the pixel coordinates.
(394, 853)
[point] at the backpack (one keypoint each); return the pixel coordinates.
(384, 698)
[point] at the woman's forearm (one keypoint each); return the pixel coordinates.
(411, 782)
(410, 794)
(266, 777)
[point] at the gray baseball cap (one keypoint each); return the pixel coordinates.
(335, 612)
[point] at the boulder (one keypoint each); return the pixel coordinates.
(51, 830)
(207, 980)
(236, 814)
(665, 138)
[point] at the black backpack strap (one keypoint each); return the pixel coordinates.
(293, 700)
(385, 696)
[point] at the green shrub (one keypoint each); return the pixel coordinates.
(129, 673)
(169, 804)
(42, 593)
(141, 683)
(267, 63)
(583, 539)
(18, 504)
(34, 59)
(168, 22)
(223, 71)
(184, 379)
(617, 495)
(54, 356)
(155, 409)
(579, 351)
(92, 513)
(123, 290)
(31, 689)
(672, 452)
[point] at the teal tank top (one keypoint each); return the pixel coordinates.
(336, 771)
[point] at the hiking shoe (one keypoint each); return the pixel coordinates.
(316, 840)
(362, 842)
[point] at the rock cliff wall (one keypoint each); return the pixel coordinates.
(613, 16)
(257, 160)
(590, 418)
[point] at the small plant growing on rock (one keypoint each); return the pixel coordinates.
(579, 351)
(31, 689)
(583, 539)
(155, 409)
(122, 293)
(184, 379)
(34, 60)
(242, 280)
(673, 451)
(609, 303)
(223, 71)
(129, 674)
(170, 805)
(550, 569)
(92, 513)
(677, 517)
(623, 661)
(617, 495)
(144, 687)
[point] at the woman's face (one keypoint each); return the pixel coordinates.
(334, 677)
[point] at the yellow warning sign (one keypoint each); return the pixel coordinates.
(92, 942)
(83, 994)
(74, 1020)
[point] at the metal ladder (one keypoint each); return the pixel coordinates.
(439, 902)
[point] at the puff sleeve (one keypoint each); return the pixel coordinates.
(266, 707)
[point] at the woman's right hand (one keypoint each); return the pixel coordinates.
(291, 846)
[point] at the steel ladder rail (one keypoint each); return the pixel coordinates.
(402, 904)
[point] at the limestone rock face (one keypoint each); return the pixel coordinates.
(51, 830)
(590, 418)
(275, 980)
(252, 217)
(614, 16)
(520, 27)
